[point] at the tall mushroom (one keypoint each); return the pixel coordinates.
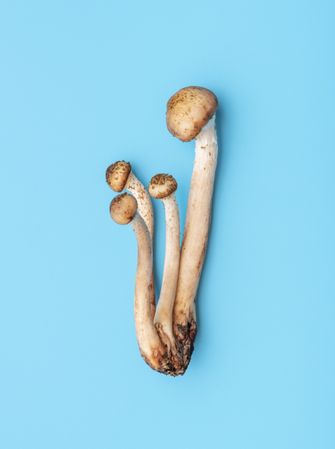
(123, 210)
(163, 186)
(119, 176)
(191, 115)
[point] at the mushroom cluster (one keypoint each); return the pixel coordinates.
(166, 332)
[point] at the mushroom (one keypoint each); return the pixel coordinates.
(123, 210)
(119, 176)
(191, 115)
(163, 186)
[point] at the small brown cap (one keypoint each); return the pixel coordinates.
(123, 208)
(117, 175)
(162, 185)
(189, 110)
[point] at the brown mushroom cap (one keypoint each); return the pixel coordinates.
(117, 175)
(189, 110)
(123, 208)
(162, 185)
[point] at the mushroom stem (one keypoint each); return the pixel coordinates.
(163, 186)
(195, 237)
(150, 345)
(143, 199)
(123, 210)
(164, 311)
(136, 188)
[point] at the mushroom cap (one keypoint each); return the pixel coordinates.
(123, 208)
(189, 110)
(162, 185)
(117, 175)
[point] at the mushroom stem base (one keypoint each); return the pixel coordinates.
(185, 334)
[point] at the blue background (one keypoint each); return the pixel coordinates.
(86, 83)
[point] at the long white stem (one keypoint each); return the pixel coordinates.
(152, 349)
(136, 188)
(196, 233)
(164, 311)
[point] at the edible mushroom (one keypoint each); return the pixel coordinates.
(123, 210)
(163, 186)
(191, 115)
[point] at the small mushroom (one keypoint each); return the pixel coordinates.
(191, 115)
(163, 186)
(123, 210)
(119, 176)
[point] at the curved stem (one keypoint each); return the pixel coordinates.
(143, 199)
(136, 188)
(152, 349)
